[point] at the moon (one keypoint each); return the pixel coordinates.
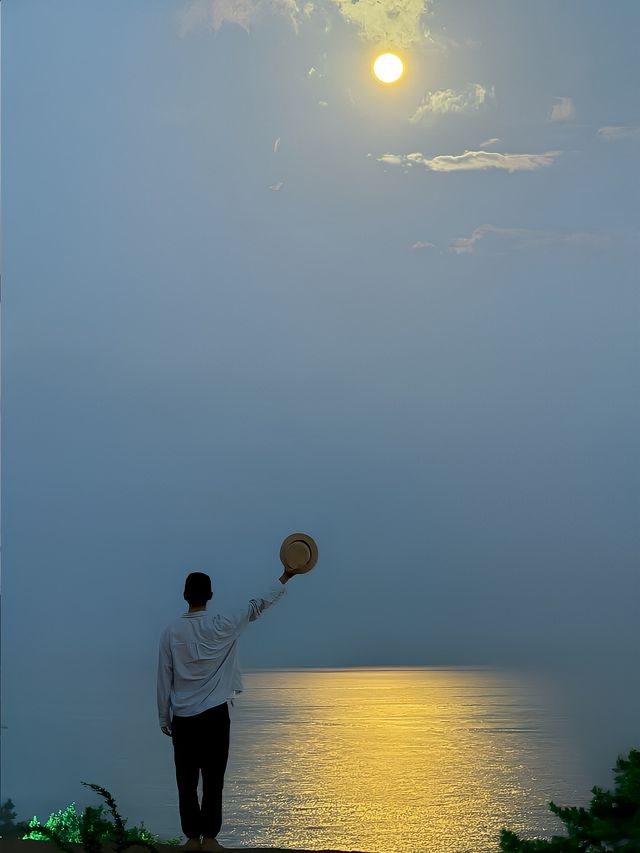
(388, 68)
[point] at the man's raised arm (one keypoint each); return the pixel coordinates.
(237, 622)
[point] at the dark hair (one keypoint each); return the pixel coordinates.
(197, 589)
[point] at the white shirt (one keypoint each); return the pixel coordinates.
(198, 658)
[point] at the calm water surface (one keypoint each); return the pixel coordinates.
(434, 759)
(407, 760)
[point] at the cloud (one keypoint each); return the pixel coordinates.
(526, 238)
(616, 132)
(214, 13)
(562, 110)
(276, 187)
(493, 141)
(395, 23)
(398, 24)
(423, 244)
(394, 159)
(450, 101)
(476, 160)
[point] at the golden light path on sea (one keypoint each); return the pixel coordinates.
(395, 761)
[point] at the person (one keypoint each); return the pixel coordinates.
(198, 674)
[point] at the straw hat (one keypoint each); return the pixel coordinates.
(298, 554)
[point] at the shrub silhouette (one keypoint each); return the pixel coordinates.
(612, 822)
(89, 829)
(9, 829)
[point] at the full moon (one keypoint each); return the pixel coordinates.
(388, 68)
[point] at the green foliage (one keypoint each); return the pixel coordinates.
(611, 823)
(90, 829)
(64, 822)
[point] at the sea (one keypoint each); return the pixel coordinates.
(404, 759)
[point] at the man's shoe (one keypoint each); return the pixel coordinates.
(211, 845)
(192, 844)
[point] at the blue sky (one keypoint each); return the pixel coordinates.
(249, 290)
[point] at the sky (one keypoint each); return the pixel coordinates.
(250, 290)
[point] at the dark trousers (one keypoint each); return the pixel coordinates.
(201, 743)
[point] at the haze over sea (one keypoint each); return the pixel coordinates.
(249, 290)
(400, 759)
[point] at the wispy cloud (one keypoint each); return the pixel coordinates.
(423, 244)
(563, 110)
(395, 23)
(449, 101)
(473, 160)
(615, 133)
(493, 141)
(212, 14)
(394, 159)
(525, 238)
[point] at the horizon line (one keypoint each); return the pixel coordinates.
(376, 667)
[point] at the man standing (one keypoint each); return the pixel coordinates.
(197, 673)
